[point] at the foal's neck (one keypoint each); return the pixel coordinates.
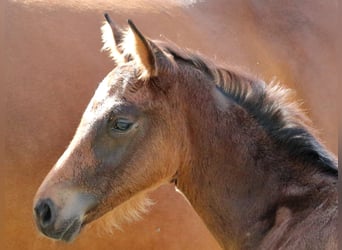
(235, 174)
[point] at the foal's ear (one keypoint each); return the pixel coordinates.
(141, 50)
(112, 36)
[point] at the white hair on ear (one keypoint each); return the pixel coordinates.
(109, 43)
(128, 45)
(133, 47)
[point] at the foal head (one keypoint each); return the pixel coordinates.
(129, 141)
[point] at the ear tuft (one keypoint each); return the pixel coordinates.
(140, 48)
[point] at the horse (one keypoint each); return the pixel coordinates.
(241, 151)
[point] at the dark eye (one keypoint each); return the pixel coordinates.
(121, 125)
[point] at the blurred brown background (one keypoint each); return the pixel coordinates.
(51, 64)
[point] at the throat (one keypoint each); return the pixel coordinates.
(234, 205)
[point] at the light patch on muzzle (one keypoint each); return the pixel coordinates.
(75, 207)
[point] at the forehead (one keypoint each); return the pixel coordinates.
(117, 82)
(117, 88)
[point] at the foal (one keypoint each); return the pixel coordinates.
(240, 151)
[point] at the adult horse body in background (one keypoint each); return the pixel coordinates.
(51, 56)
(241, 151)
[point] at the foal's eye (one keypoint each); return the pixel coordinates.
(121, 125)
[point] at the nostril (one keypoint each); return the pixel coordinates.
(45, 212)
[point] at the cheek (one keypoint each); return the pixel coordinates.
(155, 158)
(114, 154)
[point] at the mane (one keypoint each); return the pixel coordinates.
(271, 105)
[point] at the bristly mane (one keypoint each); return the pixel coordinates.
(270, 105)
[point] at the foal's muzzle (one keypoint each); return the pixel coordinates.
(59, 212)
(46, 214)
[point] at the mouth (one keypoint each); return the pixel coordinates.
(71, 231)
